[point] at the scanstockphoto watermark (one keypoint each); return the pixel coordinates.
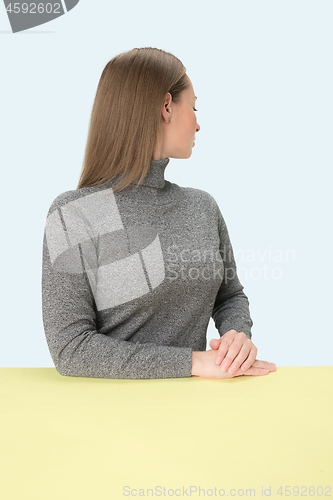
(186, 491)
(223, 263)
(263, 492)
(24, 15)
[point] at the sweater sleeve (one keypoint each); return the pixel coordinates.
(231, 308)
(69, 313)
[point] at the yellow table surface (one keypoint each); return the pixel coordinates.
(88, 438)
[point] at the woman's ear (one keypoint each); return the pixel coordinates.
(166, 108)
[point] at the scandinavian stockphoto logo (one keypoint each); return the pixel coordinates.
(25, 15)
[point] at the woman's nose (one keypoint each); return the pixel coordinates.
(198, 127)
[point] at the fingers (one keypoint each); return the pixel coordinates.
(215, 343)
(236, 352)
(255, 371)
(232, 353)
(209, 369)
(235, 357)
(226, 341)
(264, 365)
(246, 357)
(250, 359)
(258, 368)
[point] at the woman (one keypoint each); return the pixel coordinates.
(134, 266)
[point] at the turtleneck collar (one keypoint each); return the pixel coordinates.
(155, 175)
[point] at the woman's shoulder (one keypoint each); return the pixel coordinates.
(200, 195)
(71, 196)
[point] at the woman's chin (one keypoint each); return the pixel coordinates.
(182, 156)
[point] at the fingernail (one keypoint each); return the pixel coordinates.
(224, 368)
(218, 361)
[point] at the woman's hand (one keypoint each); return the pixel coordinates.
(204, 366)
(234, 350)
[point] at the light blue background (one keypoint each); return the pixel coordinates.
(262, 71)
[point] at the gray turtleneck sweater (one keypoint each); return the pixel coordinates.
(130, 279)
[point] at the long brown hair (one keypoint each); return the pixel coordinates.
(126, 115)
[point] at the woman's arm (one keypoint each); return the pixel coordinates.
(69, 317)
(231, 314)
(231, 309)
